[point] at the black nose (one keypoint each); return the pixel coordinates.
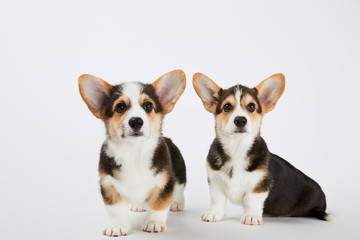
(240, 121)
(136, 123)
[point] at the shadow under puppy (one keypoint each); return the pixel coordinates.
(239, 165)
(138, 166)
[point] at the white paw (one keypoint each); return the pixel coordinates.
(212, 216)
(176, 207)
(154, 226)
(117, 229)
(138, 208)
(248, 219)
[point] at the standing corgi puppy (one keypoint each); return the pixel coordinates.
(138, 166)
(239, 165)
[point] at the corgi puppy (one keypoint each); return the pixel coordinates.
(239, 165)
(138, 166)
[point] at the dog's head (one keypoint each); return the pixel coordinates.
(239, 110)
(132, 110)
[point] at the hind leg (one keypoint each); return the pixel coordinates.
(178, 200)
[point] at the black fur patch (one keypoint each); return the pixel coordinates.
(116, 92)
(318, 213)
(168, 157)
(150, 91)
(293, 193)
(162, 158)
(217, 158)
(258, 155)
(107, 164)
(177, 161)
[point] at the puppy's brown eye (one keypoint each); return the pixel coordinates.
(120, 107)
(147, 106)
(227, 107)
(251, 107)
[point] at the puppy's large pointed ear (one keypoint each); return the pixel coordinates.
(207, 90)
(95, 92)
(169, 87)
(270, 90)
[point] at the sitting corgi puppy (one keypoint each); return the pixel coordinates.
(239, 165)
(138, 166)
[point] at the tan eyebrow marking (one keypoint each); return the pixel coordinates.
(123, 99)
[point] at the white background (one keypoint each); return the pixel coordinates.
(50, 141)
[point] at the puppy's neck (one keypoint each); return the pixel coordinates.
(236, 146)
(141, 149)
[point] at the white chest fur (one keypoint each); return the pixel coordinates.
(233, 178)
(240, 183)
(136, 178)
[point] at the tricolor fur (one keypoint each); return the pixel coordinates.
(239, 165)
(138, 166)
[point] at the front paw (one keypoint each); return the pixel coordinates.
(249, 219)
(117, 229)
(154, 226)
(212, 216)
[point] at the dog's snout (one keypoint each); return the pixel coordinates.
(136, 123)
(240, 121)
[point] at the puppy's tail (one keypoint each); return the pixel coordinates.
(321, 214)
